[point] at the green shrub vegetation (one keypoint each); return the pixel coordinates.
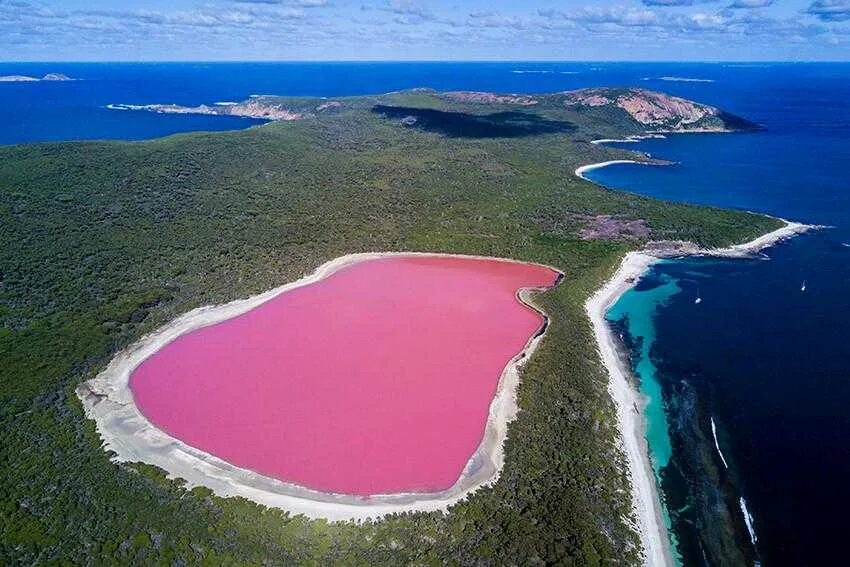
(103, 242)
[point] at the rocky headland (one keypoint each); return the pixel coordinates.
(660, 112)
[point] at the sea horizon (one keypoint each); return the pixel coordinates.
(441, 60)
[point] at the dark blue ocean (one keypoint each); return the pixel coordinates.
(768, 362)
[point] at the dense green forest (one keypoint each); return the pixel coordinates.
(103, 242)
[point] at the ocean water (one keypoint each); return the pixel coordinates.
(765, 353)
(766, 362)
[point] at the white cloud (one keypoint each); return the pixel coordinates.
(749, 4)
(596, 15)
(397, 27)
(830, 10)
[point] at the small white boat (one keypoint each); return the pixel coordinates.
(698, 300)
(803, 287)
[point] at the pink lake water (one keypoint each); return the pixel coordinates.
(377, 379)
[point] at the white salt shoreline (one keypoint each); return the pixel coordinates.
(629, 403)
(107, 400)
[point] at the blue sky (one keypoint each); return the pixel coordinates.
(98, 30)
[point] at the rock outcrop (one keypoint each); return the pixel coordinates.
(258, 107)
(476, 97)
(606, 227)
(659, 111)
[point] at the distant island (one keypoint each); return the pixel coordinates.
(29, 79)
(659, 112)
(673, 79)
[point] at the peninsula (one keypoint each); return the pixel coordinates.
(161, 232)
(655, 111)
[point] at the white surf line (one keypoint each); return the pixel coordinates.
(646, 501)
(716, 444)
(107, 400)
(748, 519)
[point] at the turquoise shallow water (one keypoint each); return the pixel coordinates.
(636, 309)
(634, 313)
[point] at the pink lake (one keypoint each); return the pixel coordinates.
(377, 379)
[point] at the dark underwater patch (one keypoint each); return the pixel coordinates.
(511, 124)
(651, 280)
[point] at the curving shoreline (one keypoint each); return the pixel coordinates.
(628, 139)
(628, 401)
(107, 400)
(580, 171)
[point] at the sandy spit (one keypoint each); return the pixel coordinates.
(628, 139)
(580, 171)
(107, 400)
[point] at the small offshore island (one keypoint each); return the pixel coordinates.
(156, 231)
(29, 79)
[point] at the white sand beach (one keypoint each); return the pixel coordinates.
(590, 167)
(627, 140)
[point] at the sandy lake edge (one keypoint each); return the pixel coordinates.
(108, 401)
